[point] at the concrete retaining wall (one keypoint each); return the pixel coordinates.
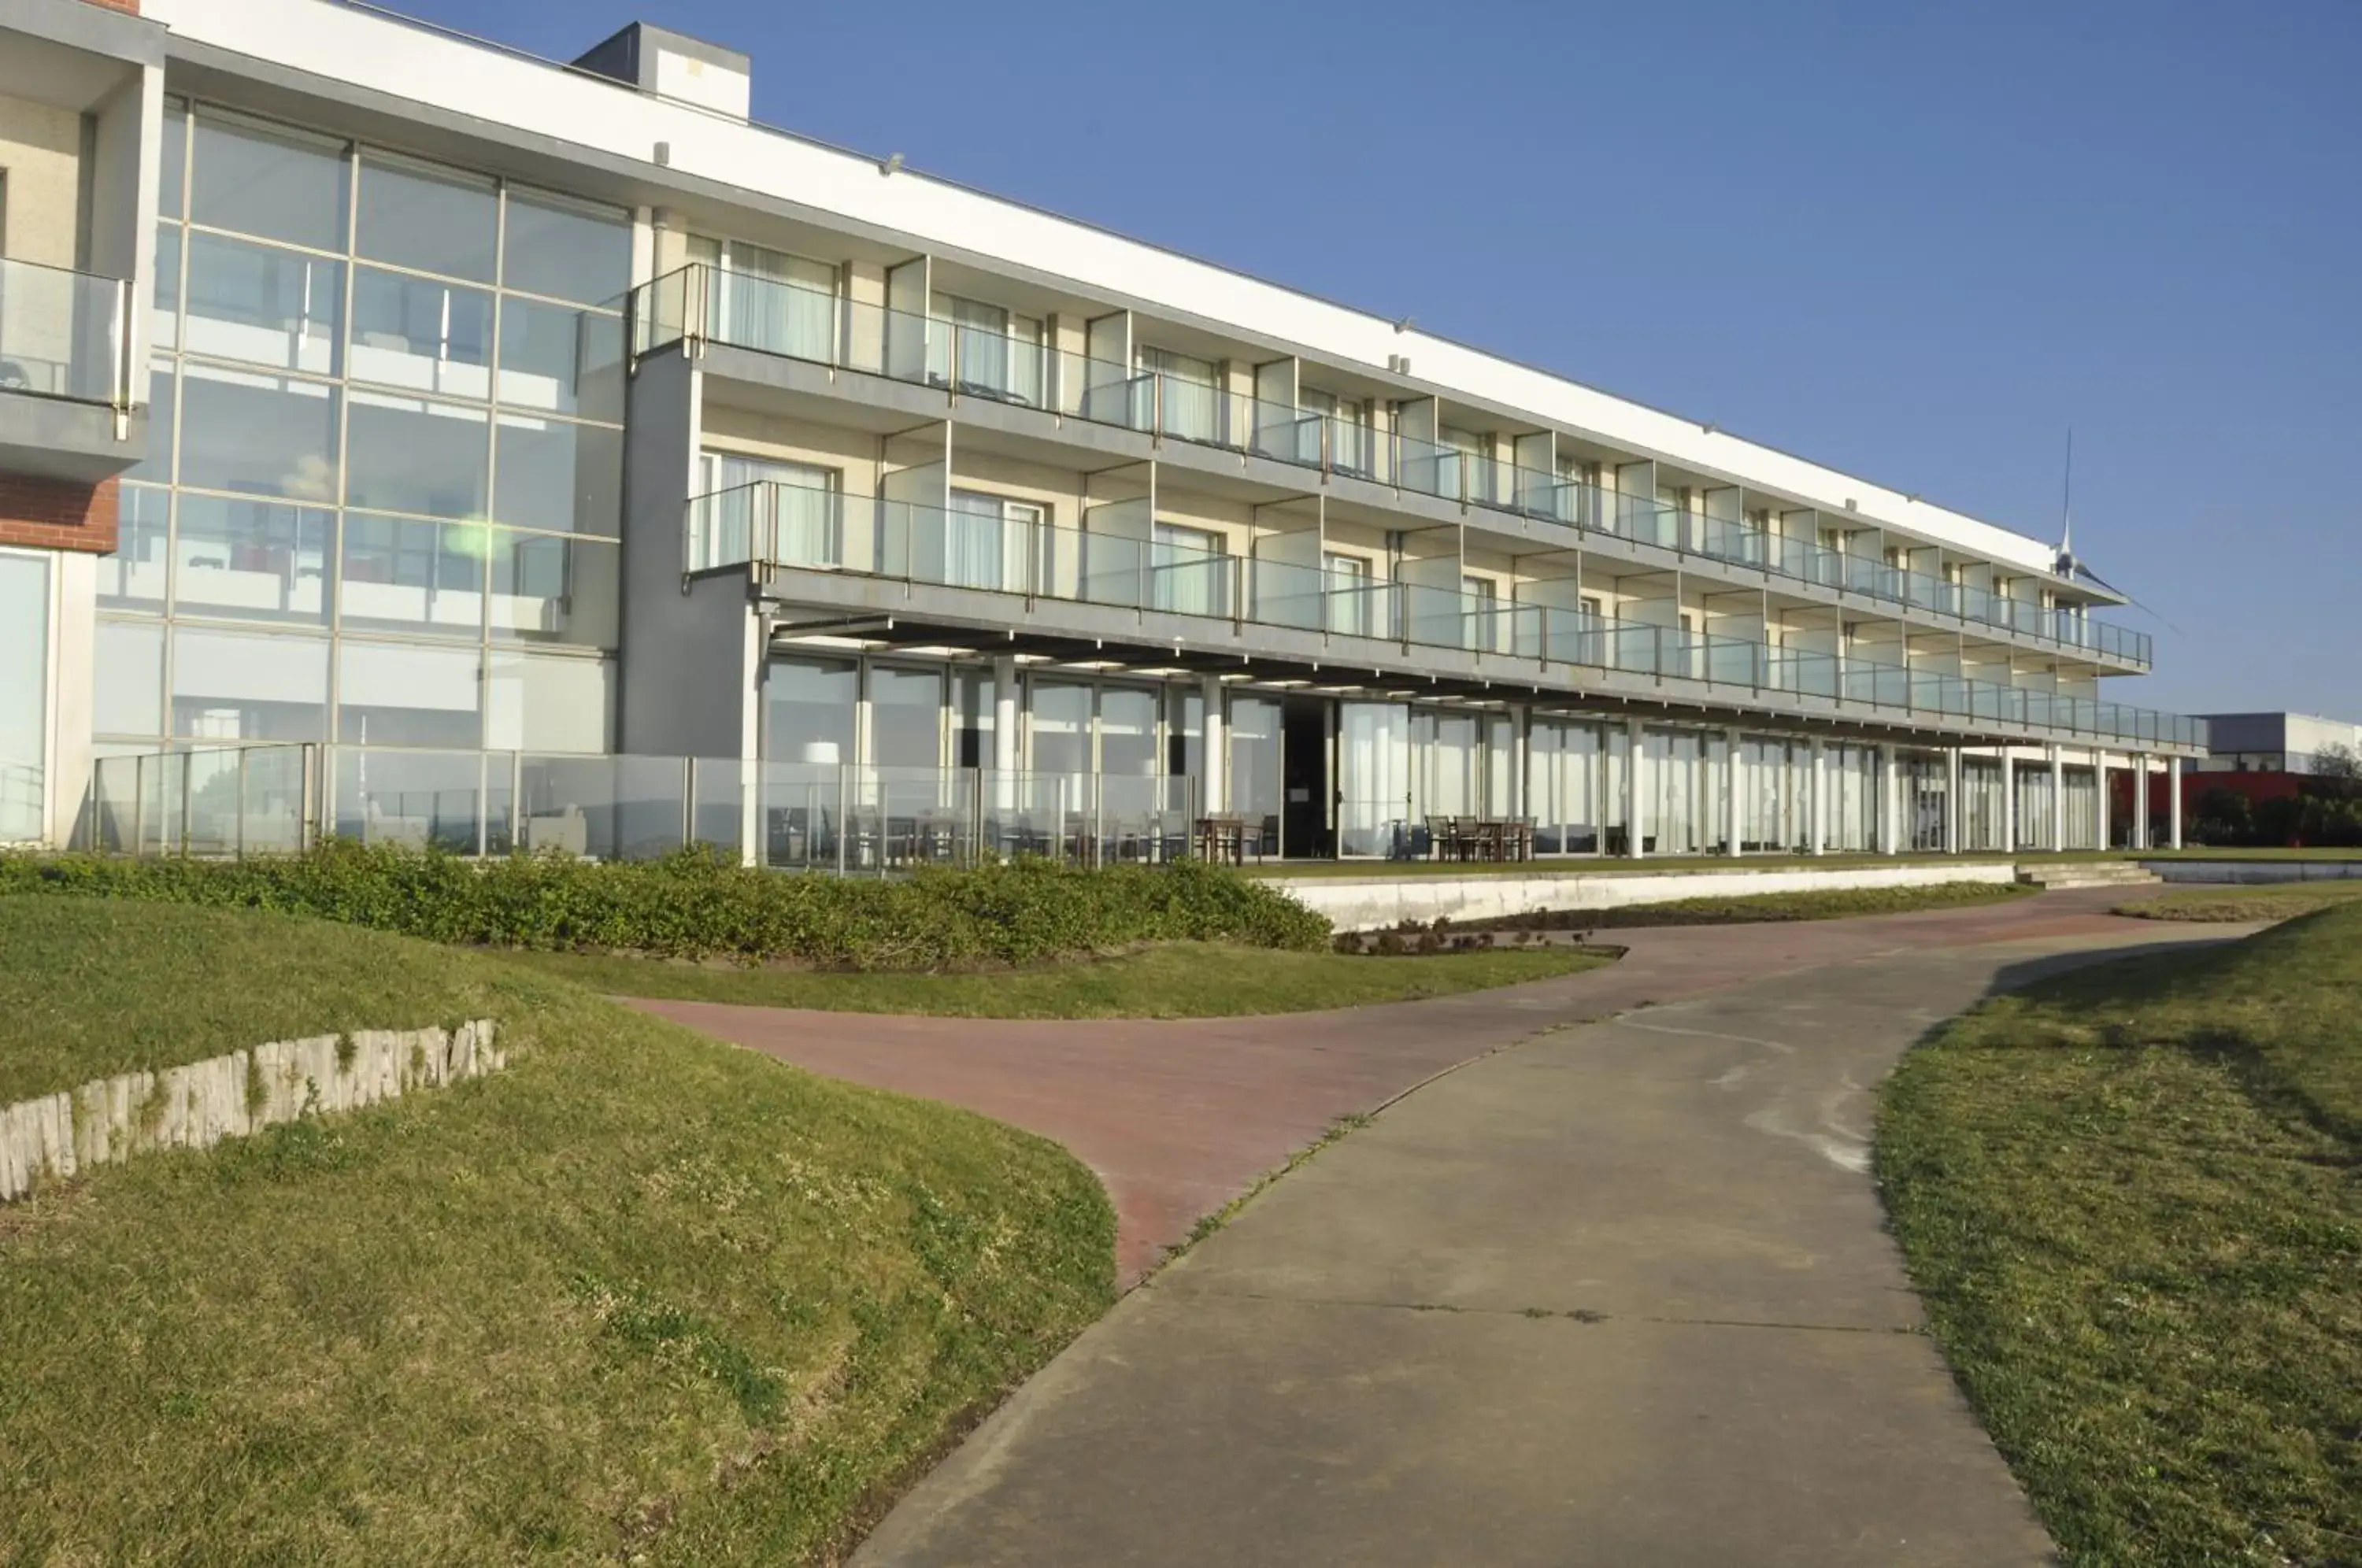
(2254, 871)
(1380, 903)
(197, 1106)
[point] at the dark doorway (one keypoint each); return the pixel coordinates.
(1303, 778)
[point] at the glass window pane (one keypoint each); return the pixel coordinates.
(560, 476)
(128, 699)
(574, 252)
(157, 465)
(250, 686)
(264, 306)
(408, 455)
(133, 577)
(164, 318)
(811, 705)
(546, 588)
(258, 434)
(905, 717)
(253, 560)
(416, 332)
(23, 696)
(174, 173)
(1062, 727)
(1126, 732)
(549, 704)
(414, 214)
(261, 179)
(568, 361)
(407, 696)
(400, 575)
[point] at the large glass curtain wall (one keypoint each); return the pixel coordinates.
(1775, 783)
(1575, 785)
(1851, 777)
(1926, 802)
(1685, 782)
(383, 486)
(1983, 804)
(2034, 797)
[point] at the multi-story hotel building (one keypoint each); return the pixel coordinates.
(444, 443)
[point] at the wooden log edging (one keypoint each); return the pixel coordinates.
(106, 1120)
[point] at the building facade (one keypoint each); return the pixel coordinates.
(446, 444)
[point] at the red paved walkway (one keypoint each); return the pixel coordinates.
(1179, 1117)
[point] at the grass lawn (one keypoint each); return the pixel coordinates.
(2132, 1198)
(642, 1296)
(1181, 979)
(2261, 901)
(1756, 909)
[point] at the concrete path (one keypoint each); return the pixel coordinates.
(1179, 1118)
(1621, 1296)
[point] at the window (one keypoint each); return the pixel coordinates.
(768, 300)
(1186, 393)
(1346, 422)
(1350, 594)
(555, 475)
(128, 680)
(242, 686)
(264, 306)
(425, 218)
(1189, 572)
(411, 455)
(811, 705)
(258, 434)
(403, 575)
(133, 577)
(985, 351)
(417, 333)
(1483, 624)
(791, 513)
(266, 181)
(566, 249)
(905, 717)
(1062, 728)
(407, 695)
(535, 703)
(253, 560)
(23, 696)
(561, 360)
(988, 540)
(545, 589)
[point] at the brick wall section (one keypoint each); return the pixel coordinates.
(54, 514)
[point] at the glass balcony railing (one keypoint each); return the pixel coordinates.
(799, 323)
(796, 527)
(233, 802)
(64, 333)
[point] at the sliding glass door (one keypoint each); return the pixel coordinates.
(793, 511)
(768, 299)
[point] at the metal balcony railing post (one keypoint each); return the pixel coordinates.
(121, 395)
(240, 848)
(187, 804)
(138, 805)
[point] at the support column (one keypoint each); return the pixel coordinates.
(2057, 799)
(1733, 816)
(2140, 801)
(1632, 794)
(2173, 801)
(1818, 810)
(1005, 752)
(1885, 811)
(1213, 767)
(2008, 802)
(2100, 769)
(1952, 800)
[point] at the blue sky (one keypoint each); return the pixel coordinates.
(1914, 242)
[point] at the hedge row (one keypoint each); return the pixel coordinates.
(696, 905)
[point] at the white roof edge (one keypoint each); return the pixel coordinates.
(437, 69)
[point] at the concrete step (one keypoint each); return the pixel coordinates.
(2088, 874)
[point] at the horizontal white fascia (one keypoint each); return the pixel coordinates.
(451, 76)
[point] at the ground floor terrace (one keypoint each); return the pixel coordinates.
(872, 762)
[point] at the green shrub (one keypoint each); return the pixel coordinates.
(694, 904)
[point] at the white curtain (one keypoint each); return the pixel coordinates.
(801, 500)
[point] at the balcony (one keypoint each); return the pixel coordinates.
(773, 525)
(66, 387)
(698, 302)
